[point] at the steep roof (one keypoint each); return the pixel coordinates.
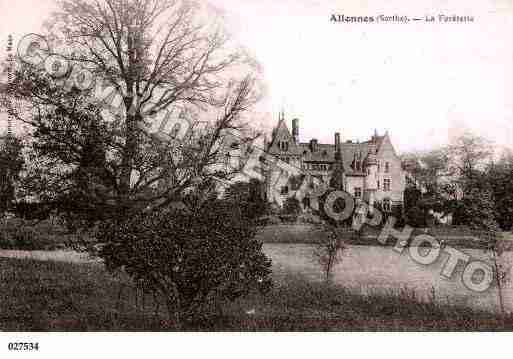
(282, 133)
(324, 152)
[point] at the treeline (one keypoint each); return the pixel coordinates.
(467, 182)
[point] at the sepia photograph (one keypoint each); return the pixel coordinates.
(192, 166)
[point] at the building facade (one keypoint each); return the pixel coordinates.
(371, 171)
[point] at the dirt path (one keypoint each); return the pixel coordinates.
(58, 256)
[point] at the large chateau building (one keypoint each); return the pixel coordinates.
(370, 170)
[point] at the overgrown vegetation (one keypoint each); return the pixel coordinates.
(17, 233)
(112, 172)
(188, 257)
(173, 72)
(50, 296)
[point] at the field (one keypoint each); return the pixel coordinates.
(52, 296)
(308, 234)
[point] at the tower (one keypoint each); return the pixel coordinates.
(295, 130)
(371, 180)
(338, 177)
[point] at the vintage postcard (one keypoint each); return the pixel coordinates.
(178, 166)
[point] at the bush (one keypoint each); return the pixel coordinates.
(416, 217)
(291, 206)
(16, 233)
(249, 198)
(309, 218)
(189, 257)
(268, 220)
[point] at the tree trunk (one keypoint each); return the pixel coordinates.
(499, 280)
(174, 313)
(157, 305)
(129, 151)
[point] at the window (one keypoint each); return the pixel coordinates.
(284, 190)
(319, 167)
(387, 167)
(283, 145)
(357, 192)
(387, 207)
(386, 185)
(379, 185)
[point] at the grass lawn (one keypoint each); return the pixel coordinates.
(51, 296)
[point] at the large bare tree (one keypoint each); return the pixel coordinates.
(161, 58)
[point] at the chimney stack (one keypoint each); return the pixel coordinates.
(313, 145)
(337, 141)
(295, 130)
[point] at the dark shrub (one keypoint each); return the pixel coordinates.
(16, 233)
(189, 256)
(292, 206)
(416, 217)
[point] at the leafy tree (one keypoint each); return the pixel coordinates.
(416, 217)
(32, 210)
(292, 206)
(412, 195)
(248, 197)
(398, 213)
(427, 169)
(499, 176)
(469, 156)
(11, 164)
(189, 257)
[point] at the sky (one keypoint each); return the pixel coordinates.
(422, 82)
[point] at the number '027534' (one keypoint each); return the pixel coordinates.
(20, 346)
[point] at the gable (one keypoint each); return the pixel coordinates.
(386, 149)
(282, 134)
